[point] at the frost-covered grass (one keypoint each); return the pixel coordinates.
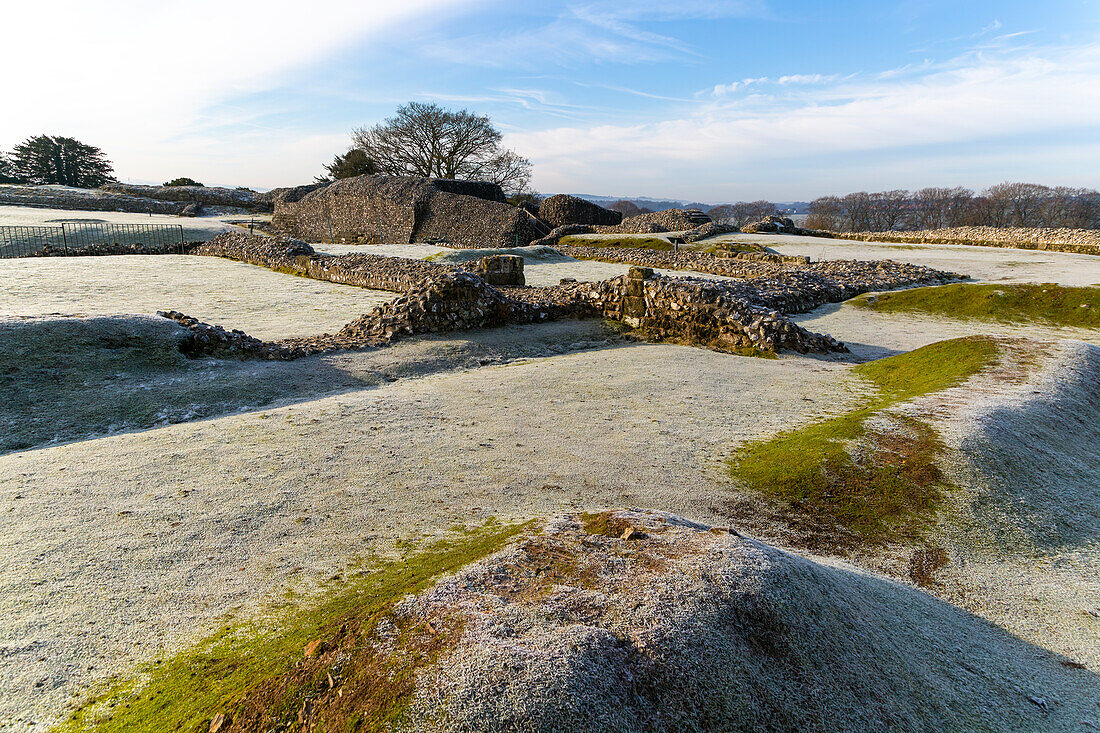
(195, 229)
(262, 303)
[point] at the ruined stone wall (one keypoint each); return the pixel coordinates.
(700, 312)
(791, 287)
(395, 274)
(241, 198)
(1077, 241)
(401, 210)
(467, 222)
(735, 316)
(48, 198)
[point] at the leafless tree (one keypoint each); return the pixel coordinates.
(889, 209)
(427, 140)
(743, 212)
(1018, 204)
(826, 212)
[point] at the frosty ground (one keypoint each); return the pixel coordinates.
(137, 531)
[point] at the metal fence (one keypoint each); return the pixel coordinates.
(91, 238)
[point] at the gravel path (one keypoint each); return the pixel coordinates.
(264, 304)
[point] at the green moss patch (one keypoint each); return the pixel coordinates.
(877, 480)
(310, 664)
(1015, 303)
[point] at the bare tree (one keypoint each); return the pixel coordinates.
(826, 212)
(743, 212)
(427, 140)
(889, 208)
(1017, 204)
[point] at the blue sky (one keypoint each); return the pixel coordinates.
(711, 101)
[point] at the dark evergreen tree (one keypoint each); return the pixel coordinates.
(184, 181)
(55, 159)
(353, 163)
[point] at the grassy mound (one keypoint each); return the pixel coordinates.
(889, 486)
(260, 678)
(1017, 303)
(620, 242)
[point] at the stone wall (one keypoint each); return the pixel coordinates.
(45, 197)
(237, 198)
(700, 312)
(1078, 241)
(786, 286)
(733, 316)
(395, 274)
(405, 209)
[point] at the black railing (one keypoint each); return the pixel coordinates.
(90, 239)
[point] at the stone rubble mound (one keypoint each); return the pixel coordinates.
(564, 209)
(405, 209)
(772, 224)
(708, 230)
(669, 220)
(50, 197)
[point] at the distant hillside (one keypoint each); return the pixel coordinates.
(644, 202)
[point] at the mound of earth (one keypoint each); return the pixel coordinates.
(637, 620)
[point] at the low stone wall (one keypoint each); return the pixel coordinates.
(238, 198)
(1076, 241)
(49, 198)
(700, 313)
(92, 250)
(784, 286)
(395, 274)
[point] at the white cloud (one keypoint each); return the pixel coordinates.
(131, 75)
(975, 99)
(805, 79)
(724, 90)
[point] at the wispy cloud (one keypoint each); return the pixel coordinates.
(975, 99)
(589, 32)
(115, 75)
(805, 79)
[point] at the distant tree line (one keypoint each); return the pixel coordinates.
(54, 159)
(743, 212)
(1003, 205)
